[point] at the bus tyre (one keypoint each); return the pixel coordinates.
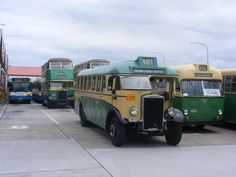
(173, 133)
(83, 120)
(117, 132)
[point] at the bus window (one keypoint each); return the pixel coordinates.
(81, 83)
(110, 84)
(85, 83)
(55, 65)
(55, 84)
(230, 84)
(98, 84)
(93, 83)
(103, 83)
(117, 84)
(201, 88)
(66, 65)
(89, 83)
(159, 84)
(177, 85)
(136, 83)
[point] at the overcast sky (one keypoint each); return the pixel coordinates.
(119, 30)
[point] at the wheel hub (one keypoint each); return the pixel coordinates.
(112, 130)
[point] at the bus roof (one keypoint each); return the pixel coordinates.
(141, 65)
(197, 71)
(93, 60)
(59, 60)
(228, 72)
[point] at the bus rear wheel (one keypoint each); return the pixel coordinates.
(173, 133)
(117, 132)
(83, 120)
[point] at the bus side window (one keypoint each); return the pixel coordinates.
(93, 83)
(117, 83)
(103, 83)
(98, 84)
(110, 84)
(177, 85)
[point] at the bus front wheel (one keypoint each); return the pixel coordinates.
(117, 132)
(173, 133)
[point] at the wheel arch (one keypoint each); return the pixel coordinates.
(114, 112)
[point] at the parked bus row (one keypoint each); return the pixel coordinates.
(135, 96)
(126, 98)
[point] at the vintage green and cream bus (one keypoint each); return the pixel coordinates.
(198, 94)
(129, 97)
(57, 83)
(229, 77)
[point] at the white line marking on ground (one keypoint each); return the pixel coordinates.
(3, 111)
(50, 117)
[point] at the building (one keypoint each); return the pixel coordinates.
(3, 68)
(34, 73)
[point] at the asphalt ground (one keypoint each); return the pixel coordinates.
(36, 141)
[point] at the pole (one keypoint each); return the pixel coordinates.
(202, 44)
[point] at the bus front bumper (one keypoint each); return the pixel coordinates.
(20, 98)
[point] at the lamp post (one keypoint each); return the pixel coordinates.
(163, 57)
(204, 45)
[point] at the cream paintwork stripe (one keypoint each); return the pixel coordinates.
(50, 117)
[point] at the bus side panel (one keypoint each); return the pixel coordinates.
(96, 110)
(200, 109)
(229, 108)
(60, 74)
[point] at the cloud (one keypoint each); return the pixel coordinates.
(119, 30)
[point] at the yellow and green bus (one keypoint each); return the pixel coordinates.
(57, 83)
(229, 77)
(129, 97)
(198, 94)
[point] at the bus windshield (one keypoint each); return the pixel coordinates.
(135, 82)
(61, 84)
(201, 88)
(20, 87)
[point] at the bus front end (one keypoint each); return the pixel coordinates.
(20, 90)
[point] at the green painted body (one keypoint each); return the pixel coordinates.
(54, 93)
(202, 110)
(230, 108)
(60, 75)
(96, 110)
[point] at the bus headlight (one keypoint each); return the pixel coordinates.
(171, 111)
(185, 112)
(133, 111)
(220, 112)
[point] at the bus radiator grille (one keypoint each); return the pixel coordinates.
(153, 112)
(62, 97)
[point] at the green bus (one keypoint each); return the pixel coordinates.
(198, 94)
(229, 77)
(127, 98)
(57, 83)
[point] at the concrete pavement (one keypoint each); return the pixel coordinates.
(36, 141)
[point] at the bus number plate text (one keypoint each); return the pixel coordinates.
(130, 98)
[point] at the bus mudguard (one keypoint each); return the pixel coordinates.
(174, 115)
